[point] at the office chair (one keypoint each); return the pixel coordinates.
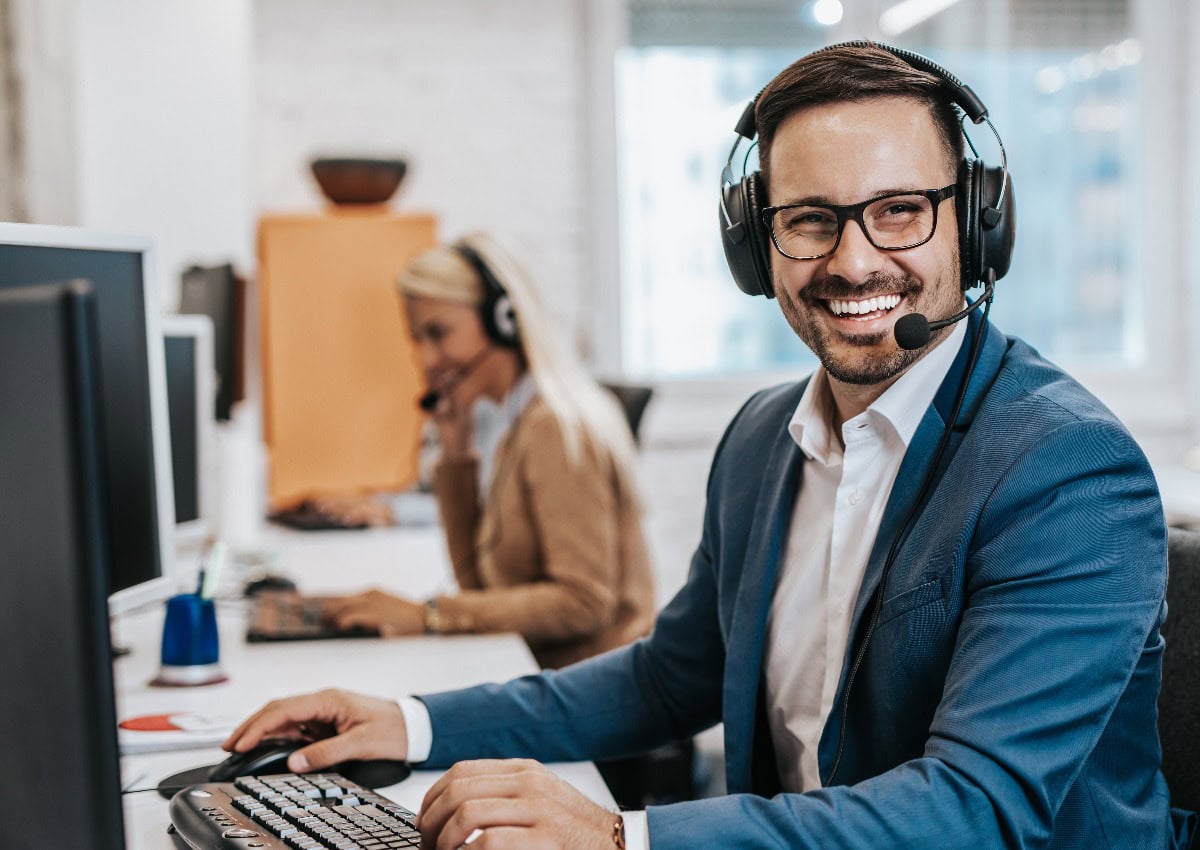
(633, 399)
(1178, 717)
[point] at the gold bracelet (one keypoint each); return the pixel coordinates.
(618, 835)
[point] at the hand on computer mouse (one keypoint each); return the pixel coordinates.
(390, 615)
(271, 757)
(348, 727)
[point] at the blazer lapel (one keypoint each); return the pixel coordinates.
(906, 489)
(744, 652)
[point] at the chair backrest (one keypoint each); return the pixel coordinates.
(633, 399)
(1179, 701)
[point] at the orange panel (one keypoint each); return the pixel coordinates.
(340, 376)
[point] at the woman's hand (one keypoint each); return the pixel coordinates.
(347, 726)
(452, 418)
(390, 615)
(354, 510)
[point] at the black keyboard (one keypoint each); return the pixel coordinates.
(290, 811)
(307, 516)
(286, 615)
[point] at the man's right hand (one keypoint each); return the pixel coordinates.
(343, 726)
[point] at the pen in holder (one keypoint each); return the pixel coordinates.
(190, 646)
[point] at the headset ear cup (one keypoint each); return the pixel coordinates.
(997, 240)
(742, 236)
(755, 193)
(967, 209)
(504, 322)
(496, 312)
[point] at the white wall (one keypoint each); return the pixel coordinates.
(44, 38)
(164, 89)
(484, 99)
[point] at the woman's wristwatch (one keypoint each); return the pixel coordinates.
(433, 617)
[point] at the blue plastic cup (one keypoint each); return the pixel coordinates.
(190, 648)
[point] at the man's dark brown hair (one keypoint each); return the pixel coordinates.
(854, 74)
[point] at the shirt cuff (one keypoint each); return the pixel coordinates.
(637, 836)
(419, 728)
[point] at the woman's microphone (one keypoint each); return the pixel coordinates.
(432, 398)
(914, 329)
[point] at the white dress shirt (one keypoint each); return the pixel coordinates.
(834, 524)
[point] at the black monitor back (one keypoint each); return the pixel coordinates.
(215, 291)
(59, 771)
(181, 355)
(124, 375)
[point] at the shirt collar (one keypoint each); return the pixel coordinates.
(902, 405)
(496, 417)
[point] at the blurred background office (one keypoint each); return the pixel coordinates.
(592, 134)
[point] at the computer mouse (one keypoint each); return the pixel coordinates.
(268, 582)
(271, 756)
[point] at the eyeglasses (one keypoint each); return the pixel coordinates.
(891, 223)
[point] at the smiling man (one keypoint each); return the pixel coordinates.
(927, 595)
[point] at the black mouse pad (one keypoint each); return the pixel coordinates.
(168, 786)
(377, 773)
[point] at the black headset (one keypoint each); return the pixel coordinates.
(983, 201)
(496, 312)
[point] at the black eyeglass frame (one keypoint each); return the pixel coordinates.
(855, 212)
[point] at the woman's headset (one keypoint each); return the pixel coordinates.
(984, 200)
(496, 312)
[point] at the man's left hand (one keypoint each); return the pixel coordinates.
(515, 803)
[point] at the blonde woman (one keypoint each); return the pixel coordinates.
(542, 513)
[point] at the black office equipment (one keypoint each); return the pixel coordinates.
(270, 758)
(633, 399)
(1178, 718)
(305, 811)
(285, 616)
(217, 292)
(308, 515)
(268, 582)
(132, 392)
(61, 785)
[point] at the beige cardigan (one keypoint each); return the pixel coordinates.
(557, 554)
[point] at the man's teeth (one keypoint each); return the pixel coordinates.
(859, 308)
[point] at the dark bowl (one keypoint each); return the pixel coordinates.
(354, 180)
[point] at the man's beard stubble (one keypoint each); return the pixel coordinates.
(873, 370)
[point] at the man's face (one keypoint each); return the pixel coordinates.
(844, 153)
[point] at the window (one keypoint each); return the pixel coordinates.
(1079, 92)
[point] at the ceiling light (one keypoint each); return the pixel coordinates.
(907, 14)
(827, 13)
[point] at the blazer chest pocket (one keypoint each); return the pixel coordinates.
(929, 590)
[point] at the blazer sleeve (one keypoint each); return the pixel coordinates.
(456, 485)
(1065, 580)
(574, 514)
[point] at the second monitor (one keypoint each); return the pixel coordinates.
(191, 390)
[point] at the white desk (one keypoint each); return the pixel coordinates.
(409, 561)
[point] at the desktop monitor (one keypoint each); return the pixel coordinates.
(218, 292)
(133, 401)
(59, 747)
(191, 389)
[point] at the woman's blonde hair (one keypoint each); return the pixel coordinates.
(578, 403)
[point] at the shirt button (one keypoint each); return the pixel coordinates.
(854, 497)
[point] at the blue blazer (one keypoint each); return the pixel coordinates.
(1007, 696)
